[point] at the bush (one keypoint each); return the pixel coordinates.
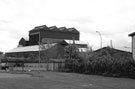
(103, 63)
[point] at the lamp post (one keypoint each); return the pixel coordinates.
(100, 38)
(39, 53)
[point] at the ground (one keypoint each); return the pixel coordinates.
(59, 80)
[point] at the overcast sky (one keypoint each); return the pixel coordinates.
(114, 19)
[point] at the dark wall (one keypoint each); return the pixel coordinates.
(60, 35)
(34, 38)
(23, 42)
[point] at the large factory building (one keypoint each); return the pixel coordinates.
(56, 38)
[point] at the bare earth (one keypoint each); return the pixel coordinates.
(58, 80)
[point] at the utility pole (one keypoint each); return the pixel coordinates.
(39, 53)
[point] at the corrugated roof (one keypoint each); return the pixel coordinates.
(53, 28)
(76, 42)
(39, 27)
(62, 29)
(30, 48)
(73, 30)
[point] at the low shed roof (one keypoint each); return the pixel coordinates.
(76, 42)
(30, 48)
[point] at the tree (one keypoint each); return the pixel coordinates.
(48, 51)
(43, 52)
(72, 62)
(71, 51)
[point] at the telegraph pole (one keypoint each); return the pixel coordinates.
(39, 53)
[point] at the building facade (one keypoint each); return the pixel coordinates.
(53, 39)
(133, 44)
(40, 32)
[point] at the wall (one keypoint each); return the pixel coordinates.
(60, 35)
(34, 39)
(43, 66)
(54, 52)
(133, 46)
(34, 35)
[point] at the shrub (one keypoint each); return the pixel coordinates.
(103, 63)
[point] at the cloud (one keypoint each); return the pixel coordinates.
(7, 43)
(119, 40)
(4, 21)
(115, 19)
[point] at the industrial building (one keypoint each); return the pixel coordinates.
(51, 33)
(53, 39)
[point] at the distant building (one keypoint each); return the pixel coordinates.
(114, 53)
(133, 44)
(52, 33)
(23, 42)
(1, 56)
(57, 38)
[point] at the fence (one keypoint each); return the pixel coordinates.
(42, 66)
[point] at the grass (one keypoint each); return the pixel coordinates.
(58, 80)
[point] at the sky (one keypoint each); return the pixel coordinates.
(114, 19)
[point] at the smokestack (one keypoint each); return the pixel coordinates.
(111, 45)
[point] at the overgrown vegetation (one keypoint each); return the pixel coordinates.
(106, 62)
